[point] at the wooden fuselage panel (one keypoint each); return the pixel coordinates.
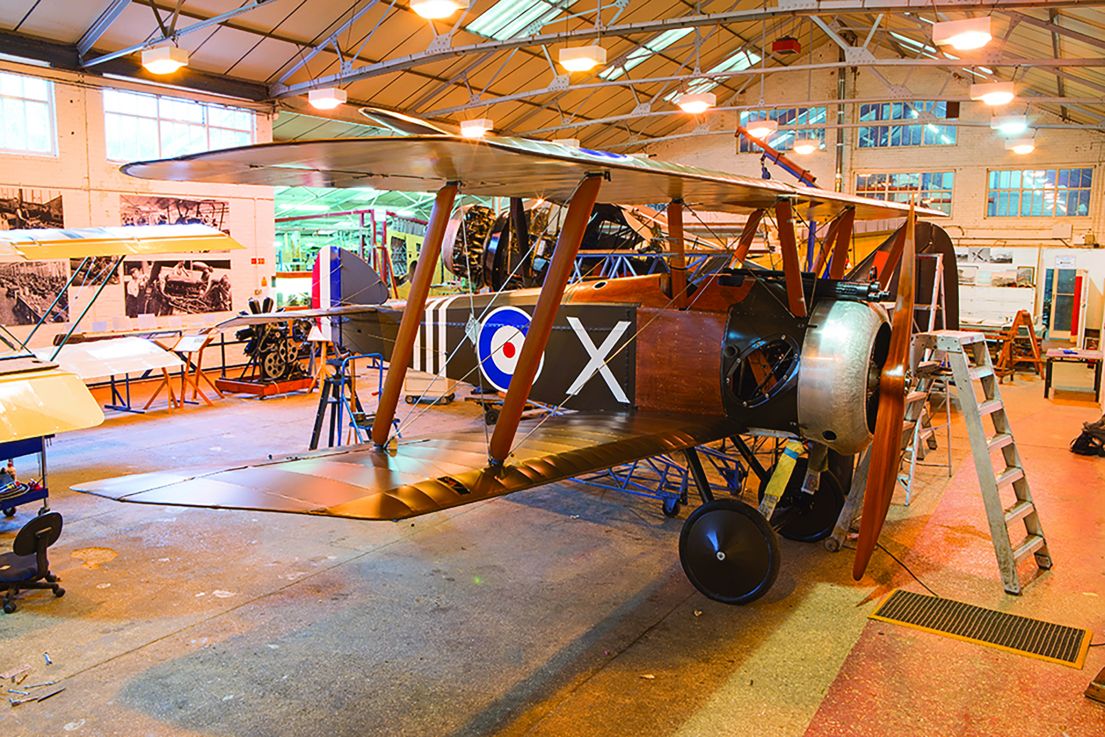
(678, 352)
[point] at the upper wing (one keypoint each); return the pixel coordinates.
(39, 399)
(128, 240)
(425, 474)
(497, 167)
(403, 124)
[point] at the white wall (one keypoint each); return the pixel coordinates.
(91, 187)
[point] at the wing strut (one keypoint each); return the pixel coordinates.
(751, 225)
(678, 263)
(826, 246)
(792, 269)
(839, 262)
(544, 312)
(412, 315)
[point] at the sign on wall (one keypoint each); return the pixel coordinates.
(176, 287)
(146, 210)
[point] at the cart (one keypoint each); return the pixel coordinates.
(17, 493)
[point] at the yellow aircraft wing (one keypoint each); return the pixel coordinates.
(130, 240)
(37, 398)
(499, 167)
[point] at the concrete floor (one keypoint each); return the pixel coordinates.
(557, 611)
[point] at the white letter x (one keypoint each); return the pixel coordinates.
(597, 364)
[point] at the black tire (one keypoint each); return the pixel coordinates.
(9, 607)
(729, 552)
(59, 592)
(671, 506)
(9, 511)
(801, 518)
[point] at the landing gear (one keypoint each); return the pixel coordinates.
(671, 506)
(729, 552)
(807, 517)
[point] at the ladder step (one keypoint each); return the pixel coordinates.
(1009, 476)
(999, 441)
(980, 372)
(989, 407)
(926, 432)
(915, 396)
(925, 367)
(1020, 510)
(1029, 546)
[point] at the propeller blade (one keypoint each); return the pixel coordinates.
(886, 448)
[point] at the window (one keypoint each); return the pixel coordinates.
(1039, 193)
(932, 188)
(783, 140)
(140, 127)
(512, 18)
(644, 51)
(27, 112)
(922, 134)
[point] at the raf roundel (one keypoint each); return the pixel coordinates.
(500, 344)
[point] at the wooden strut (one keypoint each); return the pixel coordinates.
(544, 313)
(839, 262)
(751, 225)
(678, 263)
(792, 269)
(886, 273)
(826, 246)
(413, 313)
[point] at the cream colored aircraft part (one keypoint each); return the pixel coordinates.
(132, 240)
(45, 402)
(115, 357)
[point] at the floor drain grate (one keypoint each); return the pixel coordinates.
(1032, 637)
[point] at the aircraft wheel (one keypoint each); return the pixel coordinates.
(9, 607)
(729, 552)
(670, 506)
(9, 511)
(808, 518)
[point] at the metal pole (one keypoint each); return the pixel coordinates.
(87, 307)
(678, 263)
(64, 291)
(540, 328)
(792, 270)
(412, 316)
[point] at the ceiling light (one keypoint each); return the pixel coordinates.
(806, 146)
(965, 35)
(1021, 146)
(696, 103)
(994, 93)
(761, 128)
(477, 128)
(581, 58)
(436, 9)
(569, 142)
(164, 59)
(327, 98)
(1010, 125)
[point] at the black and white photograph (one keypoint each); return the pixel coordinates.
(93, 271)
(176, 286)
(147, 210)
(984, 255)
(28, 289)
(22, 208)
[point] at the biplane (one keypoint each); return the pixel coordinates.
(42, 391)
(633, 367)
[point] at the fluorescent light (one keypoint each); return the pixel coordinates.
(805, 146)
(965, 35)
(761, 128)
(1020, 146)
(569, 142)
(994, 93)
(1010, 125)
(164, 59)
(581, 58)
(327, 98)
(477, 128)
(306, 207)
(696, 103)
(436, 9)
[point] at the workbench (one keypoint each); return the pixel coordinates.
(1073, 355)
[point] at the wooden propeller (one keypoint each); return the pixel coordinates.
(886, 448)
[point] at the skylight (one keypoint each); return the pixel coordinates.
(513, 18)
(644, 51)
(738, 62)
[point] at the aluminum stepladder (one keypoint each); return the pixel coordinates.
(969, 359)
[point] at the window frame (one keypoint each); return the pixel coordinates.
(161, 119)
(894, 128)
(920, 190)
(52, 115)
(1059, 172)
(819, 133)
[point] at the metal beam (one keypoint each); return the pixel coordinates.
(784, 7)
(175, 34)
(1056, 28)
(114, 9)
(331, 39)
